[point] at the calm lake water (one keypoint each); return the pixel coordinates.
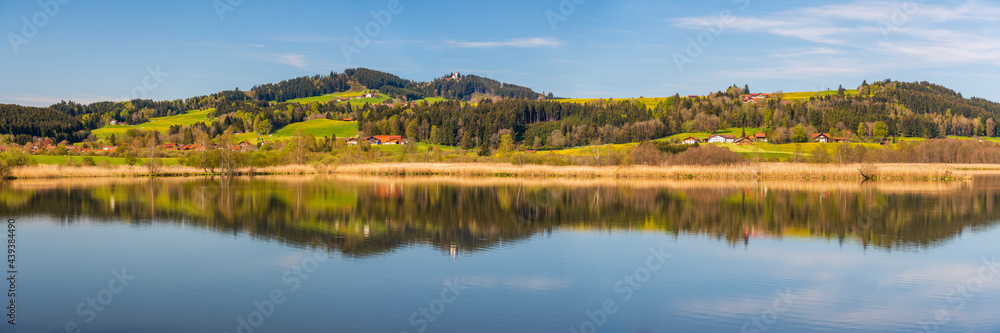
(502, 255)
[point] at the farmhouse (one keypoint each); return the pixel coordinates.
(821, 138)
(691, 140)
(390, 139)
(744, 141)
(753, 98)
(721, 139)
(760, 137)
(379, 140)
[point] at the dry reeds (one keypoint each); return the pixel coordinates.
(59, 171)
(761, 171)
(740, 171)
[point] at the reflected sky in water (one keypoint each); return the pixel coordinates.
(536, 255)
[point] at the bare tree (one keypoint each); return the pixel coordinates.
(153, 164)
(595, 147)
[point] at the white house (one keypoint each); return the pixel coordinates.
(721, 139)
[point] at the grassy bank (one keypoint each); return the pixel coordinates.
(788, 171)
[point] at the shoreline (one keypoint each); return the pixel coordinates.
(746, 171)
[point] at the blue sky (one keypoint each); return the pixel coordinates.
(106, 50)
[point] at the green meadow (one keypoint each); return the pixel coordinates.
(326, 98)
(806, 94)
(356, 102)
(53, 160)
(320, 128)
(648, 101)
(161, 124)
(653, 101)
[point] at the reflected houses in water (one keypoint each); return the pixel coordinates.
(363, 217)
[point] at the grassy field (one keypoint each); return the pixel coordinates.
(653, 101)
(320, 128)
(806, 94)
(648, 101)
(161, 124)
(735, 131)
(351, 95)
(56, 160)
(327, 97)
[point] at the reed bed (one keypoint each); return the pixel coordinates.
(797, 185)
(762, 171)
(742, 171)
(124, 171)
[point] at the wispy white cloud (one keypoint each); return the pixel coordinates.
(536, 42)
(301, 38)
(39, 100)
(907, 31)
(291, 59)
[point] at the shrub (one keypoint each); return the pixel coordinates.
(89, 161)
(646, 153)
(5, 172)
(672, 147)
(820, 155)
(16, 158)
(707, 155)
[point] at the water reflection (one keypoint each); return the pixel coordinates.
(371, 216)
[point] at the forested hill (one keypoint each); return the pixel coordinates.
(925, 97)
(27, 122)
(462, 87)
(98, 114)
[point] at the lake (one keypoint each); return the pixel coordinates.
(359, 254)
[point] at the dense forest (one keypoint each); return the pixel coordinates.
(28, 122)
